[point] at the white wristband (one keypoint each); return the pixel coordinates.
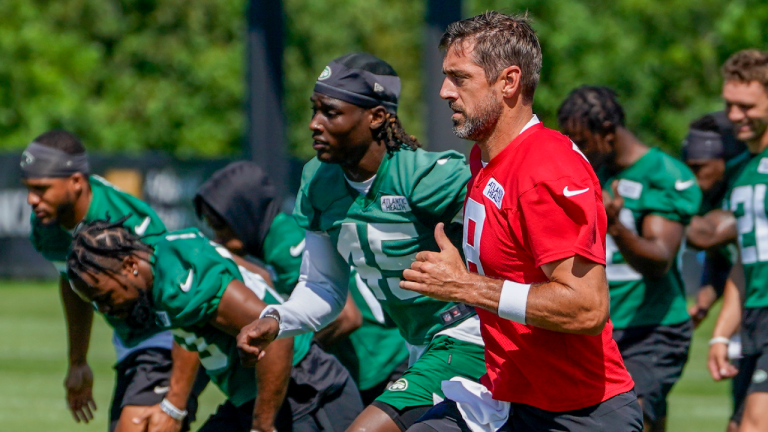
(172, 411)
(513, 301)
(719, 340)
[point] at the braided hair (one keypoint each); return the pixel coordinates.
(99, 246)
(394, 136)
(596, 109)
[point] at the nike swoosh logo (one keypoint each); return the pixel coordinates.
(569, 193)
(188, 284)
(297, 250)
(160, 390)
(683, 185)
(142, 228)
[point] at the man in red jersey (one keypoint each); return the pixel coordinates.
(534, 243)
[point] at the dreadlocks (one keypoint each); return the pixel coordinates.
(99, 246)
(595, 108)
(394, 136)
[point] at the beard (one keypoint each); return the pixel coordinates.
(475, 126)
(141, 316)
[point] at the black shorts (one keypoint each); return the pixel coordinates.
(621, 413)
(321, 397)
(655, 357)
(752, 378)
(142, 379)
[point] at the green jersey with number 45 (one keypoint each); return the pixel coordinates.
(379, 233)
(747, 200)
(107, 201)
(190, 276)
(656, 184)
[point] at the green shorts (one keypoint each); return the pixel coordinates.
(444, 359)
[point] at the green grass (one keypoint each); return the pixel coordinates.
(33, 363)
(33, 353)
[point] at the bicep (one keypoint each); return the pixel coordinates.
(576, 272)
(664, 232)
(238, 307)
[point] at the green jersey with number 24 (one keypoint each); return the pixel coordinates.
(190, 276)
(380, 233)
(747, 200)
(656, 184)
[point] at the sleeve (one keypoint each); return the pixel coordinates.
(321, 292)
(191, 289)
(438, 195)
(563, 217)
(679, 197)
(306, 216)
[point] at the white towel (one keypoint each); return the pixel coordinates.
(481, 412)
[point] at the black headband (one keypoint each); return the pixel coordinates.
(702, 145)
(359, 87)
(39, 161)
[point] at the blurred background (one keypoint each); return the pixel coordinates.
(164, 92)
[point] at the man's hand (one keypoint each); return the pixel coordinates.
(254, 339)
(719, 366)
(440, 275)
(613, 204)
(156, 420)
(79, 386)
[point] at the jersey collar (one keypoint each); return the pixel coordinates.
(532, 126)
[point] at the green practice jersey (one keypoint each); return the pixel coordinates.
(54, 242)
(191, 274)
(747, 200)
(656, 184)
(379, 233)
(376, 348)
(283, 247)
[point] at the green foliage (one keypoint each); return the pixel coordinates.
(662, 57)
(124, 74)
(130, 75)
(319, 31)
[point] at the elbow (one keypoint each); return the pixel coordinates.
(592, 317)
(593, 324)
(657, 269)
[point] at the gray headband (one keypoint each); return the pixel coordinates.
(702, 145)
(359, 87)
(39, 161)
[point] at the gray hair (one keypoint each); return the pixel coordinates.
(500, 41)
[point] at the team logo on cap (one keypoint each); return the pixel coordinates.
(378, 88)
(325, 74)
(26, 159)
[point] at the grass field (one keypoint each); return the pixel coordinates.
(33, 363)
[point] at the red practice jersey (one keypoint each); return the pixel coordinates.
(536, 202)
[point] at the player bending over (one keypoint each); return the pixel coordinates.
(196, 288)
(240, 204)
(371, 199)
(62, 195)
(649, 198)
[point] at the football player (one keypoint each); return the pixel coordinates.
(240, 204)
(534, 244)
(62, 195)
(649, 198)
(745, 91)
(371, 200)
(197, 288)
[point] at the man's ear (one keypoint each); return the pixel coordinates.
(78, 181)
(130, 266)
(511, 81)
(378, 117)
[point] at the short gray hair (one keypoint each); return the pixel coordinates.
(500, 41)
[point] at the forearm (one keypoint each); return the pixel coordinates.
(273, 373)
(552, 305)
(183, 374)
(79, 317)
(349, 320)
(730, 315)
(648, 257)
